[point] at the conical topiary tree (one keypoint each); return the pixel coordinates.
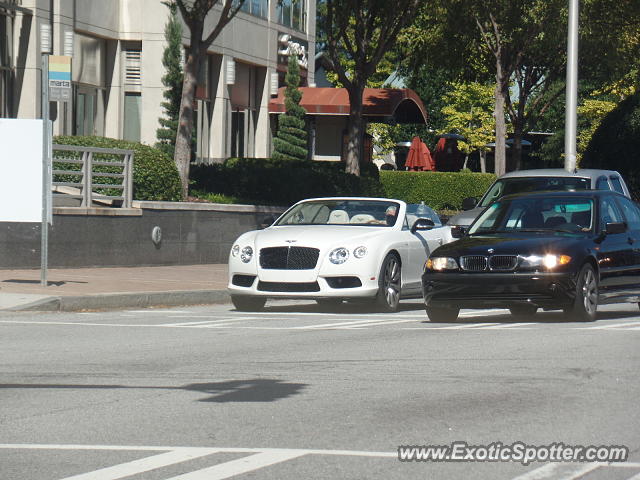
(172, 81)
(291, 140)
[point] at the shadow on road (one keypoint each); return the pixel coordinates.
(251, 390)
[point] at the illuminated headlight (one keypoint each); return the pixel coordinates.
(547, 261)
(360, 252)
(339, 255)
(235, 250)
(246, 255)
(441, 263)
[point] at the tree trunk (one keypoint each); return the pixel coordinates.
(182, 156)
(501, 128)
(355, 131)
(516, 149)
(483, 161)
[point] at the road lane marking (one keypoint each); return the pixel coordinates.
(207, 322)
(143, 465)
(338, 324)
(241, 465)
(614, 326)
(508, 325)
(466, 326)
(560, 471)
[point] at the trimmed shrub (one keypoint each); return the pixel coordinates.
(273, 182)
(439, 190)
(155, 176)
(615, 145)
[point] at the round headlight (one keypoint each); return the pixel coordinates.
(247, 254)
(235, 250)
(339, 255)
(360, 252)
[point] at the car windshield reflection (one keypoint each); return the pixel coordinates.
(565, 214)
(376, 213)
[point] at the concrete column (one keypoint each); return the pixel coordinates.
(221, 114)
(263, 130)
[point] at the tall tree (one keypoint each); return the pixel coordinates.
(291, 140)
(194, 14)
(361, 31)
(468, 110)
(172, 80)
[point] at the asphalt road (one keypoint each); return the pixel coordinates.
(297, 392)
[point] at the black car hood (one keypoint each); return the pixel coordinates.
(510, 244)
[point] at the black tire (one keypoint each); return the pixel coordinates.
(523, 310)
(442, 315)
(245, 303)
(389, 284)
(585, 306)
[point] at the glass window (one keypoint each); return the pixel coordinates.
(570, 214)
(617, 184)
(609, 212)
(292, 14)
(631, 213)
(371, 213)
(602, 184)
(506, 186)
(132, 103)
(6, 70)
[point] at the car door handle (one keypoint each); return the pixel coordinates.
(631, 241)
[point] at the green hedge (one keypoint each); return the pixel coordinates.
(272, 182)
(155, 176)
(439, 190)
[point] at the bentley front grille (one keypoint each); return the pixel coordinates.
(289, 258)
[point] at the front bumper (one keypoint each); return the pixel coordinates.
(498, 290)
(301, 285)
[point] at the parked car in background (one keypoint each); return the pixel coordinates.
(522, 181)
(552, 250)
(332, 249)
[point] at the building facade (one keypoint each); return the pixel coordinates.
(116, 69)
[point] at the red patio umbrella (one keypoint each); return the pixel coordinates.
(419, 156)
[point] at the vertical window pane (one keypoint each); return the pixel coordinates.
(132, 103)
(79, 124)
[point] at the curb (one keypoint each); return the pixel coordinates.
(108, 301)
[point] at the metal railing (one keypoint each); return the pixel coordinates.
(93, 175)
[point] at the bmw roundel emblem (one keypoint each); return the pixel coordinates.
(490, 250)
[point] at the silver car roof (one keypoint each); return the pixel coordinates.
(560, 172)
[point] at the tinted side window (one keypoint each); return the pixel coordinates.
(617, 184)
(609, 212)
(602, 184)
(631, 213)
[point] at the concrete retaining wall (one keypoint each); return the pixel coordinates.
(191, 234)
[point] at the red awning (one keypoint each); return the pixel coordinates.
(404, 105)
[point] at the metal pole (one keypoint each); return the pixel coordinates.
(44, 228)
(571, 116)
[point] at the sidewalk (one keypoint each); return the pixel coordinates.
(107, 288)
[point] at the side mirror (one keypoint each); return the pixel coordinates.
(422, 224)
(458, 231)
(267, 222)
(469, 203)
(615, 227)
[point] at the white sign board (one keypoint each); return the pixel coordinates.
(20, 170)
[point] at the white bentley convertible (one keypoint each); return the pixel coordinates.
(334, 249)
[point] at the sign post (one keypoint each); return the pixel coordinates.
(45, 47)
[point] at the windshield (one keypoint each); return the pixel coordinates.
(536, 214)
(507, 186)
(377, 213)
